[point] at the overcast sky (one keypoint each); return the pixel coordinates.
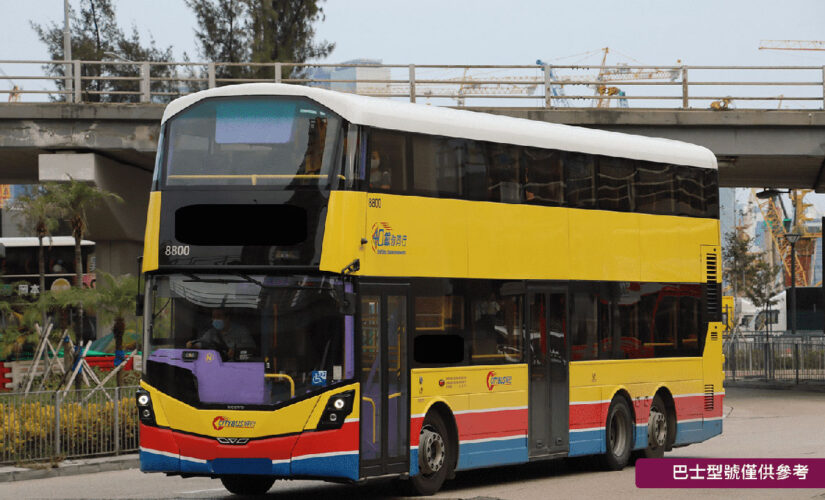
(493, 32)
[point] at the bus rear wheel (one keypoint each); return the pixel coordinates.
(618, 434)
(247, 485)
(658, 429)
(436, 456)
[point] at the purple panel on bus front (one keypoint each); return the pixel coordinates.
(218, 382)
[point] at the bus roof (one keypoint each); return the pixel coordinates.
(31, 241)
(394, 115)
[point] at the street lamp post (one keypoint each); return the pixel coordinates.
(792, 239)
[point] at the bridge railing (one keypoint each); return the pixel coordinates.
(535, 86)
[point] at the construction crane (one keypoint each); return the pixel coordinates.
(791, 45)
(776, 216)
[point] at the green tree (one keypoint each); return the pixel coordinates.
(260, 31)
(73, 200)
(39, 214)
(738, 262)
(95, 36)
(763, 286)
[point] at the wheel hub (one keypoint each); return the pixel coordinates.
(657, 428)
(432, 449)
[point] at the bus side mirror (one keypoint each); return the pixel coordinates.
(346, 304)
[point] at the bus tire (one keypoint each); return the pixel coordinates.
(618, 435)
(247, 485)
(436, 456)
(658, 429)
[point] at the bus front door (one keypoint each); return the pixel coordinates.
(385, 419)
(549, 385)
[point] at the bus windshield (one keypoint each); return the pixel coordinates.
(251, 141)
(239, 339)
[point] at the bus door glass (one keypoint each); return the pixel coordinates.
(384, 396)
(549, 401)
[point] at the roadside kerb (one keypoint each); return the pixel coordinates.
(69, 468)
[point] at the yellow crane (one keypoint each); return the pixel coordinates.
(774, 214)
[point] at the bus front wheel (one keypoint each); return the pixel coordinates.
(247, 485)
(619, 435)
(436, 456)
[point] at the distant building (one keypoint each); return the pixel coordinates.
(354, 79)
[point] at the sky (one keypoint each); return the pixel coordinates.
(651, 32)
(492, 32)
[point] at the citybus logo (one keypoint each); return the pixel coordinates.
(494, 380)
(385, 241)
(222, 422)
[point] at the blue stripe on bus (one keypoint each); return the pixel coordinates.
(698, 431)
(641, 437)
(484, 453)
(155, 462)
(339, 465)
(589, 442)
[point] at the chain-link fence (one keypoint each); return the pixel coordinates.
(51, 426)
(776, 358)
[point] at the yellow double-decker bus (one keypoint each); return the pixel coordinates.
(341, 287)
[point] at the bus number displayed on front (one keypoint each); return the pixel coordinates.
(176, 250)
(374, 202)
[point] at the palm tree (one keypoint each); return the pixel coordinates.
(74, 199)
(39, 212)
(114, 300)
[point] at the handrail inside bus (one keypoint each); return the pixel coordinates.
(284, 376)
(372, 403)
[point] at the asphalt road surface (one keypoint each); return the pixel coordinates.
(758, 424)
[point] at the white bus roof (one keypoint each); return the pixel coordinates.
(57, 241)
(387, 114)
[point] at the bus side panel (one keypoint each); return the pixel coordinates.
(593, 384)
(415, 236)
(489, 404)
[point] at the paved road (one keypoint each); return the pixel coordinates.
(758, 423)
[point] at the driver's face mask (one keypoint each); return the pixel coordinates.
(217, 324)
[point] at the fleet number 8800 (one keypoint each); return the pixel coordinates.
(176, 250)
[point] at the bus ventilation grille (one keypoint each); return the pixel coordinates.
(713, 289)
(709, 397)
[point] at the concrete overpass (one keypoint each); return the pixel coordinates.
(114, 146)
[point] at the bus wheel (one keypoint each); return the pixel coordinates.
(247, 485)
(436, 456)
(619, 435)
(658, 430)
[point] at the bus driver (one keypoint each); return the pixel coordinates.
(223, 335)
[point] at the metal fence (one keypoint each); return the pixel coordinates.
(42, 426)
(776, 359)
(538, 85)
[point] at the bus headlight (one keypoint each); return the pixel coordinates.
(336, 411)
(146, 413)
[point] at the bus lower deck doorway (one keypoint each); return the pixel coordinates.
(549, 371)
(385, 419)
